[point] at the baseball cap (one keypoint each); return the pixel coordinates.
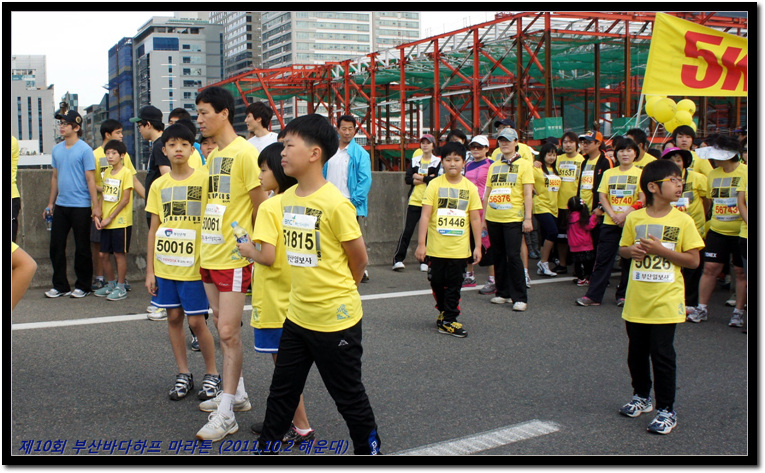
(148, 113)
(428, 137)
(592, 136)
(505, 121)
(71, 117)
(481, 140)
(508, 134)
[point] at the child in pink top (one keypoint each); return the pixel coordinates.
(579, 232)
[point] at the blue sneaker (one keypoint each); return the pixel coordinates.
(663, 423)
(636, 406)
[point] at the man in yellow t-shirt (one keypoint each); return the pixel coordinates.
(450, 215)
(641, 138)
(725, 225)
(683, 137)
(327, 256)
(508, 206)
(233, 195)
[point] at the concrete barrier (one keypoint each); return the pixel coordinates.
(387, 209)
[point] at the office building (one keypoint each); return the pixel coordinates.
(32, 101)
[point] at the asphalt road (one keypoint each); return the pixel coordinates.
(557, 365)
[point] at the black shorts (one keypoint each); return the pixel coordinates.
(719, 249)
(116, 240)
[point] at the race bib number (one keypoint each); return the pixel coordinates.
(175, 247)
(681, 204)
(654, 268)
(553, 183)
(587, 179)
(451, 222)
(726, 209)
(567, 172)
(620, 199)
(212, 224)
(300, 240)
(111, 190)
(499, 198)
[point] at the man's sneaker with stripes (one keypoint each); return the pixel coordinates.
(636, 406)
(663, 423)
(212, 385)
(184, 383)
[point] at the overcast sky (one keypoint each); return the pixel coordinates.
(76, 44)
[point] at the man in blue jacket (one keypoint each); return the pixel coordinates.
(350, 170)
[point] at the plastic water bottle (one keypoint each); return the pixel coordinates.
(241, 237)
(48, 218)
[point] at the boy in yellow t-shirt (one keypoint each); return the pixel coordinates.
(619, 193)
(234, 195)
(117, 220)
(176, 202)
(327, 258)
(450, 213)
(661, 241)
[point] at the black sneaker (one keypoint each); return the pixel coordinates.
(296, 437)
(453, 328)
(211, 385)
(560, 269)
(195, 343)
(184, 383)
(365, 276)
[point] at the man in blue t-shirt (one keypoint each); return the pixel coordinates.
(73, 191)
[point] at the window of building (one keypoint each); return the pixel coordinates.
(165, 44)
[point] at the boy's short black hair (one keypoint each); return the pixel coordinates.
(272, 156)
(638, 136)
(179, 131)
(220, 99)
(627, 143)
(656, 171)
(347, 118)
(188, 123)
(179, 113)
(729, 143)
(654, 152)
(315, 130)
(571, 136)
(116, 145)
(260, 110)
(683, 130)
(453, 147)
(109, 125)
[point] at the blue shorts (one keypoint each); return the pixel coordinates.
(190, 295)
(267, 339)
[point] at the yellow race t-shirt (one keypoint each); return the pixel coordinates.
(523, 149)
(270, 301)
(647, 158)
(656, 291)
(547, 188)
(505, 190)
(569, 170)
(721, 188)
(745, 189)
(691, 202)
(115, 185)
(587, 181)
(102, 164)
(14, 166)
(233, 173)
(324, 296)
(179, 206)
(700, 165)
(622, 189)
(195, 160)
(449, 225)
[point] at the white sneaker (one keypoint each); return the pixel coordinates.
(499, 300)
(398, 266)
(544, 269)
(217, 427)
(211, 405)
(424, 268)
(158, 315)
(53, 293)
(737, 320)
(528, 281)
(79, 293)
(520, 306)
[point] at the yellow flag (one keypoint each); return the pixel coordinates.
(690, 59)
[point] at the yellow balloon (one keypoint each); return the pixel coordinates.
(664, 110)
(686, 105)
(670, 125)
(650, 101)
(682, 117)
(692, 124)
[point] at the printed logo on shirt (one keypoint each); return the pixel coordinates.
(220, 178)
(181, 203)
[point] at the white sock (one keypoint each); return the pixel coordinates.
(491, 279)
(226, 406)
(303, 431)
(240, 391)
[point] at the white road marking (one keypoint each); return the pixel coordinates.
(131, 317)
(486, 440)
